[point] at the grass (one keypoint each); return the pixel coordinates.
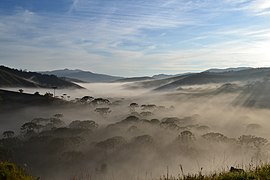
(9, 171)
(259, 173)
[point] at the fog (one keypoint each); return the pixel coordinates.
(93, 89)
(193, 129)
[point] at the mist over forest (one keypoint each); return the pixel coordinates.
(129, 131)
(134, 90)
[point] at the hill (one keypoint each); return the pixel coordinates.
(17, 78)
(255, 95)
(85, 76)
(223, 77)
(162, 76)
(215, 70)
(10, 100)
(152, 84)
(204, 78)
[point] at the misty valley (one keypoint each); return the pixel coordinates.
(134, 90)
(140, 128)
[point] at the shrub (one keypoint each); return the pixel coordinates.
(9, 171)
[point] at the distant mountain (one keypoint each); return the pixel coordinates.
(174, 83)
(17, 78)
(227, 69)
(165, 76)
(72, 80)
(153, 84)
(134, 79)
(85, 76)
(251, 74)
(157, 79)
(146, 78)
(162, 76)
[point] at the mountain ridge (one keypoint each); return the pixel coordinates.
(17, 78)
(218, 70)
(85, 76)
(205, 77)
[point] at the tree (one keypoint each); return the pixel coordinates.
(103, 111)
(148, 107)
(218, 137)
(171, 120)
(29, 127)
(252, 140)
(131, 119)
(143, 140)
(154, 121)
(48, 94)
(64, 96)
(133, 106)
(100, 101)
(186, 137)
(146, 114)
(86, 99)
(112, 143)
(8, 134)
(56, 122)
(58, 115)
(169, 125)
(21, 90)
(87, 124)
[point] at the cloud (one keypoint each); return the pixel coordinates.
(137, 37)
(254, 7)
(260, 5)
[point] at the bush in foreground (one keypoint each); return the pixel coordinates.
(9, 171)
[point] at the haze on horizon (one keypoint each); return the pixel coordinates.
(134, 38)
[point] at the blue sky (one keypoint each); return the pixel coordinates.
(134, 37)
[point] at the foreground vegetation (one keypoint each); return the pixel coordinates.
(9, 171)
(258, 173)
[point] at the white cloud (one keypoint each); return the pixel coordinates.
(255, 7)
(93, 37)
(260, 5)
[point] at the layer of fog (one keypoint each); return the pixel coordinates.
(93, 89)
(146, 161)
